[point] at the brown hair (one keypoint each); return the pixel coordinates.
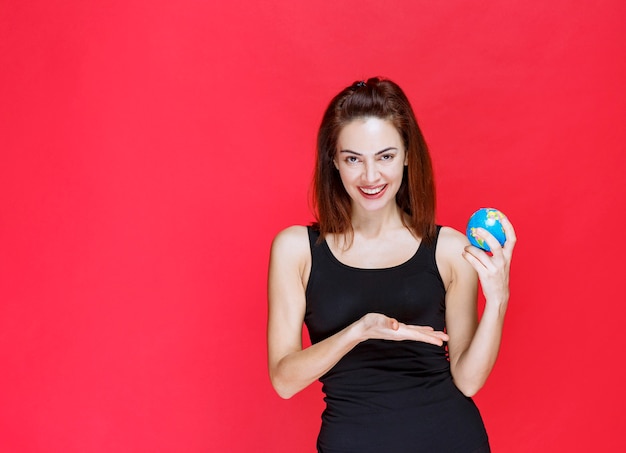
(382, 99)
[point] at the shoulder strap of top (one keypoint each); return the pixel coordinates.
(433, 247)
(436, 238)
(437, 234)
(313, 236)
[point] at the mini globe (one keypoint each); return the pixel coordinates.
(488, 219)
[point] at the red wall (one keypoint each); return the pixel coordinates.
(150, 150)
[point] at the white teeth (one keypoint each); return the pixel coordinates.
(372, 191)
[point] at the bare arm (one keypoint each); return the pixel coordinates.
(473, 345)
(292, 368)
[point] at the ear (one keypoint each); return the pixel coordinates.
(336, 164)
(406, 158)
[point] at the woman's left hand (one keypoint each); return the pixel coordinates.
(493, 271)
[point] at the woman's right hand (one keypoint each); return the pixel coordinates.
(380, 327)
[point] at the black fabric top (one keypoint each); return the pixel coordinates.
(388, 396)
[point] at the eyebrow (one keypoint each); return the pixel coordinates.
(382, 151)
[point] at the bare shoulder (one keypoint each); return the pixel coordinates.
(449, 254)
(291, 245)
(294, 238)
(451, 241)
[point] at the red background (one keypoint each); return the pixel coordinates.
(150, 150)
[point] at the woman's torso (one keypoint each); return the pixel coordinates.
(386, 395)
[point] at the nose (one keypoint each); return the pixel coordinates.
(371, 172)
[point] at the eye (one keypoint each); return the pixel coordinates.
(387, 157)
(352, 159)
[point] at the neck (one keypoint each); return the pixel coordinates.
(373, 224)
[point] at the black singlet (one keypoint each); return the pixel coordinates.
(388, 396)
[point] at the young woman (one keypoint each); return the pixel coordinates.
(388, 297)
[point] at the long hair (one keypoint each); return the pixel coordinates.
(382, 99)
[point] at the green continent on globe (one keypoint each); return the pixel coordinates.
(479, 240)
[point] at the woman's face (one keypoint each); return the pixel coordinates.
(370, 158)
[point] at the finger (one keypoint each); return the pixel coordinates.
(438, 338)
(442, 335)
(427, 330)
(509, 231)
(471, 254)
(497, 257)
(492, 242)
(425, 334)
(435, 341)
(422, 329)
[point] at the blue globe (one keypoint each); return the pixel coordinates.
(489, 219)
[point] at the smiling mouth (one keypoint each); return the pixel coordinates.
(372, 190)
